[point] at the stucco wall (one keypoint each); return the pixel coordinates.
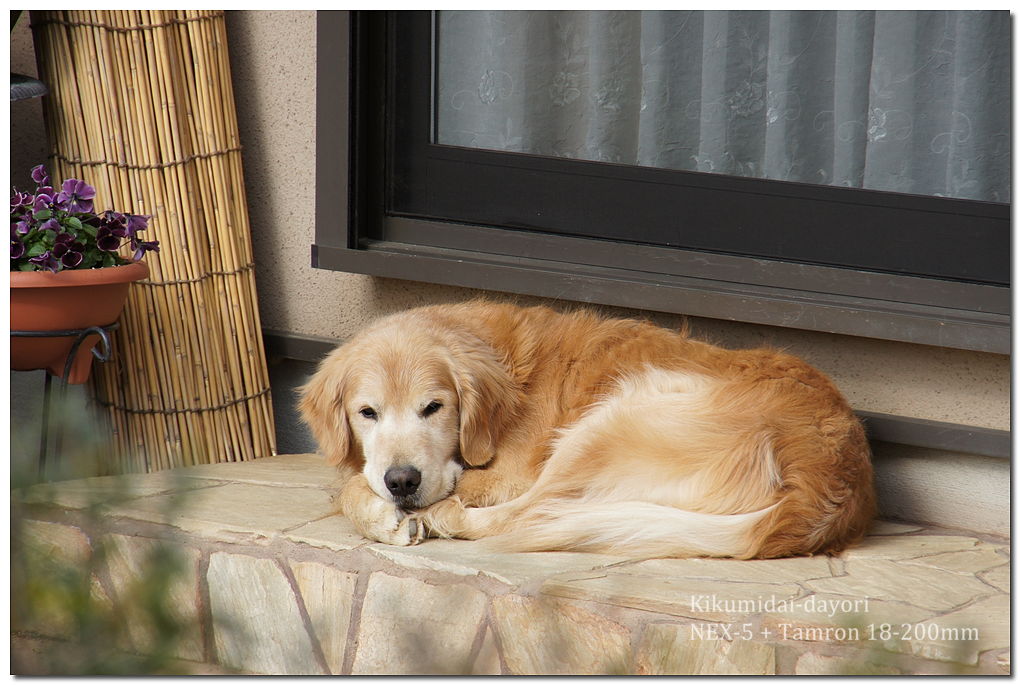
(273, 57)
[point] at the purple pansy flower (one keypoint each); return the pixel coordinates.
(43, 199)
(24, 225)
(68, 232)
(68, 251)
(116, 223)
(106, 240)
(40, 176)
(63, 243)
(76, 196)
(71, 258)
(46, 261)
(51, 225)
(143, 246)
(19, 199)
(136, 222)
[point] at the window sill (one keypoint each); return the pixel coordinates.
(846, 314)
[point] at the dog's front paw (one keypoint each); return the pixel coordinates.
(409, 531)
(415, 528)
(390, 525)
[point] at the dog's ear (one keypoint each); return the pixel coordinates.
(322, 408)
(488, 398)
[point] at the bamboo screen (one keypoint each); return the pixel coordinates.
(141, 107)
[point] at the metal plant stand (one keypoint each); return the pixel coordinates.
(101, 352)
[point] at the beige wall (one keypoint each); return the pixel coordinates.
(273, 57)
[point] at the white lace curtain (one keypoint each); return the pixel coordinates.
(904, 101)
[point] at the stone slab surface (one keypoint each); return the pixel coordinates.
(132, 563)
(487, 662)
(282, 585)
(967, 562)
(832, 613)
(696, 598)
(963, 634)
(330, 532)
(754, 571)
(293, 470)
(33, 656)
(108, 491)
(547, 637)
(1003, 662)
(256, 620)
(55, 543)
(908, 546)
(329, 600)
(233, 511)
(409, 627)
(669, 649)
(56, 558)
(997, 577)
(819, 664)
(469, 558)
(892, 528)
(912, 584)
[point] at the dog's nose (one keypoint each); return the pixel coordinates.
(402, 480)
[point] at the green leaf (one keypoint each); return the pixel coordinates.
(27, 266)
(36, 250)
(89, 229)
(43, 214)
(90, 258)
(72, 222)
(108, 260)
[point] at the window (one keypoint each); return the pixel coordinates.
(907, 102)
(868, 262)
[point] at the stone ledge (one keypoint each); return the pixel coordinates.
(276, 584)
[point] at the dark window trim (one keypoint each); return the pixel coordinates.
(900, 430)
(355, 233)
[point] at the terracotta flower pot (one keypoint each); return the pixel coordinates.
(67, 300)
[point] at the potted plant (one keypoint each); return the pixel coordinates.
(67, 273)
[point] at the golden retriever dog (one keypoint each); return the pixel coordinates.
(552, 431)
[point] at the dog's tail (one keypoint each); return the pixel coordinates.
(633, 528)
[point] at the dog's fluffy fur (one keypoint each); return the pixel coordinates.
(572, 431)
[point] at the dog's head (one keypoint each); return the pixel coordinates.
(409, 406)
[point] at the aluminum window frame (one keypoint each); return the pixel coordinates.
(357, 231)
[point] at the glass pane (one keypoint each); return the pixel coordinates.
(903, 101)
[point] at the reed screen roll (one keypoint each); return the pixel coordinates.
(141, 107)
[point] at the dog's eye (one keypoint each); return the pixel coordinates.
(369, 413)
(431, 408)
